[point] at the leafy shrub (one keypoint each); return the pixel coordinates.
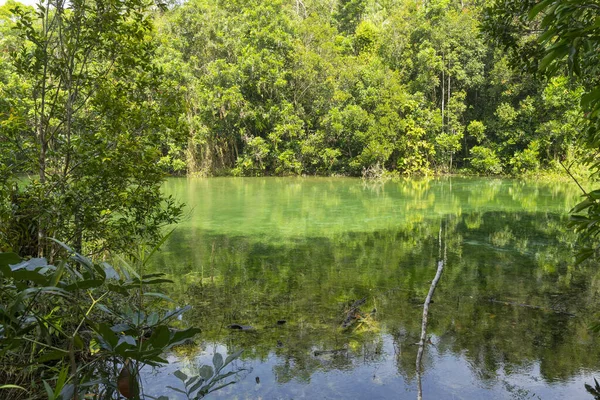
(477, 130)
(485, 160)
(81, 325)
(526, 160)
(255, 157)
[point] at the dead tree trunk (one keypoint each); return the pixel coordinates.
(438, 274)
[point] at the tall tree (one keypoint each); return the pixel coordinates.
(92, 130)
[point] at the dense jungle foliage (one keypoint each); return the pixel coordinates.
(323, 87)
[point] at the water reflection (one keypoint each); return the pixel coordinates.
(502, 321)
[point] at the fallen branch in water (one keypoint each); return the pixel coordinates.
(353, 313)
(422, 341)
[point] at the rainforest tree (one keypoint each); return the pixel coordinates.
(85, 122)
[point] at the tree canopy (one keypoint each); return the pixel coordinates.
(82, 117)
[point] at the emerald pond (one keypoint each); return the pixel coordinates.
(509, 319)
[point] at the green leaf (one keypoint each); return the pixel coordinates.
(159, 295)
(152, 319)
(126, 339)
(180, 375)
(83, 285)
(78, 341)
(180, 337)
(120, 328)
(156, 281)
(221, 386)
(226, 375)
(58, 273)
(44, 290)
(9, 386)
(206, 372)
(538, 8)
(217, 361)
(52, 355)
(110, 272)
(67, 392)
(582, 206)
(155, 249)
(107, 310)
(148, 276)
(33, 276)
(49, 391)
(556, 54)
(594, 194)
(160, 337)
(156, 361)
(233, 356)
(118, 289)
(590, 97)
(106, 335)
(197, 385)
(64, 246)
(7, 259)
(191, 380)
(32, 264)
(175, 313)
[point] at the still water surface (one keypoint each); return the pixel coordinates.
(509, 318)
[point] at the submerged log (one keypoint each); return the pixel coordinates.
(318, 353)
(353, 313)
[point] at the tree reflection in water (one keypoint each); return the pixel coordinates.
(504, 250)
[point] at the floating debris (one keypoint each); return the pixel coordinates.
(357, 319)
(353, 313)
(318, 353)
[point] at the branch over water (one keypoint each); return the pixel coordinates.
(438, 274)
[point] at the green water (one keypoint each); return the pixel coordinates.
(509, 318)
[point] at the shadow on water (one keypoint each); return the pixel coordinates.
(508, 320)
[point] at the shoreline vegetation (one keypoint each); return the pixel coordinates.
(581, 175)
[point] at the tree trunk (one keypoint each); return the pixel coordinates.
(42, 171)
(443, 92)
